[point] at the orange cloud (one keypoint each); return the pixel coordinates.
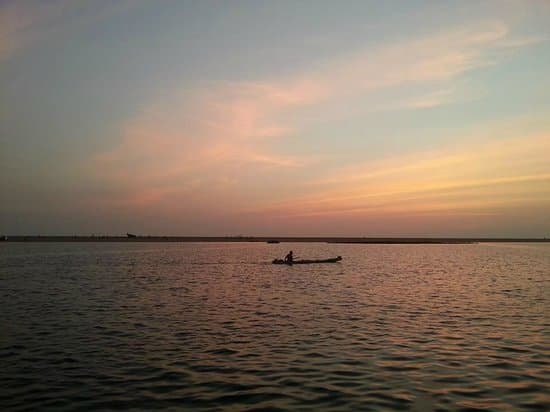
(477, 178)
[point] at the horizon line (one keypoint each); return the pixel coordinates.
(128, 237)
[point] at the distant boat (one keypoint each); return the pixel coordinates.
(273, 241)
(307, 261)
(130, 235)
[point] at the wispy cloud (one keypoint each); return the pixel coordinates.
(474, 178)
(23, 23)
(439, 57)
(210, 138)
(437, 98)
(247, 128)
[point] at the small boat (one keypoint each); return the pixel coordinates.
(307, 261)
(273, 241)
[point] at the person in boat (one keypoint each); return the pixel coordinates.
(289, 258)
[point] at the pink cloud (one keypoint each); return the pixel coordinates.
(215, 136)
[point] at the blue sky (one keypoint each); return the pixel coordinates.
(301, 118)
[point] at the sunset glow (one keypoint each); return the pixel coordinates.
(260, 118)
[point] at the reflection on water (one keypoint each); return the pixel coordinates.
(214, 326)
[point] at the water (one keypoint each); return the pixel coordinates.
(216, 327)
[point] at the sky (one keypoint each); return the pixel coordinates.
(265, 118)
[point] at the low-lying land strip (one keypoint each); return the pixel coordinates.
(354, 240)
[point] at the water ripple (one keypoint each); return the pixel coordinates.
(196, 326)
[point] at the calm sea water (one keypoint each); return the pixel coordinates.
(217, 327)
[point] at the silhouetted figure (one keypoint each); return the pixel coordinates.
(289, 258)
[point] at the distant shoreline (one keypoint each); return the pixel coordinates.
(276, 239)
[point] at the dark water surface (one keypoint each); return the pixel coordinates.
(217, 327)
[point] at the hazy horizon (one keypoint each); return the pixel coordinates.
(314, 118)
(262, 237)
